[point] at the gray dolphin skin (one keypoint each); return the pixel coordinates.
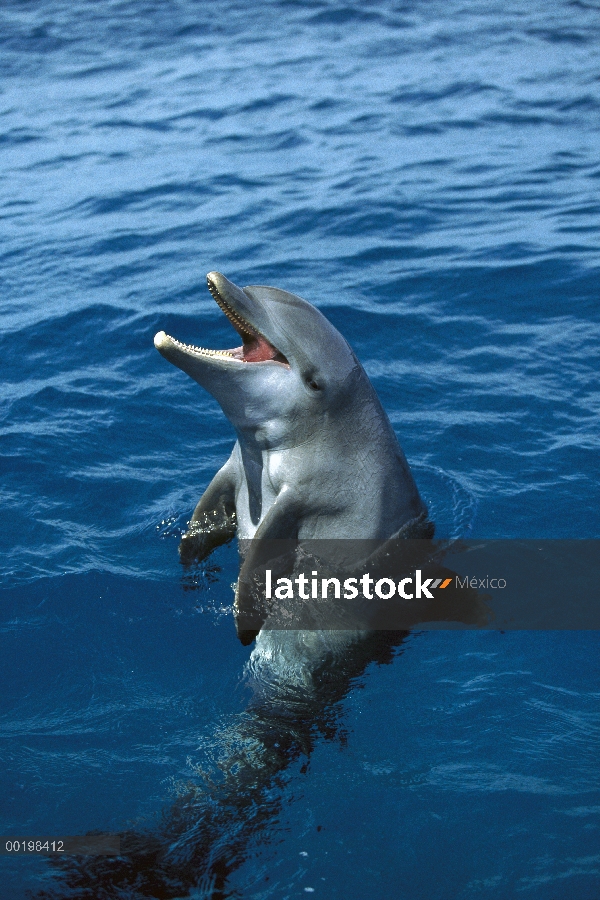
(316, 455)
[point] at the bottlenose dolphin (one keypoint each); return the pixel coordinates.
(316, 455)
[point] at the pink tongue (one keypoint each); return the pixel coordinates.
(258, 350)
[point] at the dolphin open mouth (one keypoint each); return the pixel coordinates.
(255, 347)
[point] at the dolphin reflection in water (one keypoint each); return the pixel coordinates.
(316, 458)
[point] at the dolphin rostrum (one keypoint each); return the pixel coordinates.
(316, 455)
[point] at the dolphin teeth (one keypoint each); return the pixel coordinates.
(255, 348)
(236, 320)
(202, 351)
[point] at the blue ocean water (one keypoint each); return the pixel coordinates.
(429, 176)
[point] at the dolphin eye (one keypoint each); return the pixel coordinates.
(313, 384)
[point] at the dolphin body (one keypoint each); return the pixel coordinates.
(316, 456)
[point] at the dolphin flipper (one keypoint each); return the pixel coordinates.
(280, 524)
(214, 521)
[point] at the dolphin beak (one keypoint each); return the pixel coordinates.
(226, 292)
(230, 298)
(233, 300)
(162, 342)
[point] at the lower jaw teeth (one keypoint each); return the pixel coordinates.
(201, 350)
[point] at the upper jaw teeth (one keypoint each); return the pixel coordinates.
(234, 317)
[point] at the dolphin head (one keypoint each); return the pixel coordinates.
(292, 368)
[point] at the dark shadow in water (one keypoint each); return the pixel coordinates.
(205, 836)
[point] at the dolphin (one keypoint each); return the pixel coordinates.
(316, 456)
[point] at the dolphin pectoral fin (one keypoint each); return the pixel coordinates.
(213, 522)
(279, 526)
(246, 635)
